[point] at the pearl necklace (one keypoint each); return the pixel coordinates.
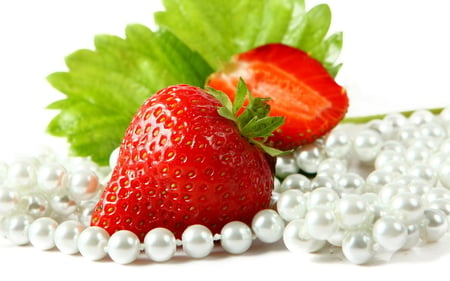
(401, 199)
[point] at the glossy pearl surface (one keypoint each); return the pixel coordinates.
(66, 236)
(124, 247)
(236, 237)
(41, 233)
(197, 241)
(268, 226)
(160, 244)
(92, 243)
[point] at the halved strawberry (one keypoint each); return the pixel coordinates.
(299, 86)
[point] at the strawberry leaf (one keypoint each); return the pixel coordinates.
(104, 87)
(235, 26)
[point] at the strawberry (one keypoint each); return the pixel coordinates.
(181, 162)
(300, 87)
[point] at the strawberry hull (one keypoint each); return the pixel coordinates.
(181, 163)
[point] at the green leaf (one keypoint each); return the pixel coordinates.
(235, 26)
(104, 87)
(261, 127)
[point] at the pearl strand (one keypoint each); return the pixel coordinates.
(399, 201)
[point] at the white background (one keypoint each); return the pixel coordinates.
(395, 58)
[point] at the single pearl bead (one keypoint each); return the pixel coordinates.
(366, 145)
(419, 186)
(421, 116)
(285, 166)
(408, 207)
(444, 174)
(413, 237)
(383, 127)
(323, 181)
(417, 153)
(378, 178)
(114, 157)
(396, 120)
(434, 226)
(63, 204)
(350, 183)
(308, 157)
(295, 181)
(83, 185)
(434, 132)
(41, 233)
(21, 174)
(386, 157)
(407, 133)
(197, 241)
(297, 240)
(160, 244)
(124, 247)
(357, 247)
(236, 237)
(338, 144)
(291, 205)
(8, 200)
(85, 211)
(51, 177)
(92, 243)
(268, 226)
(320, 222)
(351, 212)
(436, 193)
(322, 196)
(34, 204)
(390, 233)
(17, 228)
(66, 235)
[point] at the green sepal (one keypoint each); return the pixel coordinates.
(254, 122)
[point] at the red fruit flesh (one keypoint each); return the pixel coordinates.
(180, 163)
(300, 89)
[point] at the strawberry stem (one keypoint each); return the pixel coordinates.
(365, 119)
(253, 122)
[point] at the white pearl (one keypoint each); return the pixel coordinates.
(366, 145)
(419, 186)
(444, 174)
(34, 204)
(338, 144)
(440, 204)
(390, 233)
(285, 165)
(385, 157)
(236, 237)
(291, 205)
(8, 200)
(417, 154)
(295, 181)
(388, 191)
(124, 247)
(407, 133)
(17, 228)
(336, 238)
(408, 207)
(160, 244)
(66, 236)
(357, 247)
(350, 183)
(308, 157)
(268, 226)
(436, 193)
(41, 233)
(378, 178)
(413, 237)
(83, 185)
(434, 132)
(322, 196)
(21, 174)
(85, 211)
(393, 145)
(51, 177)
(297, 240)
(383, 127)
(421, 116)
(322, 180)
(434, 226)
(351, 212)
(334, 164)
(197, 241)
(92, 243)
(320, 222)
(396, 120)
(114, 157)
(63, 204)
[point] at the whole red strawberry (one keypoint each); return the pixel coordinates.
(182, 163)
(299, 86)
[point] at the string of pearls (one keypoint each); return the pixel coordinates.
(378, 189)
(373, 190)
